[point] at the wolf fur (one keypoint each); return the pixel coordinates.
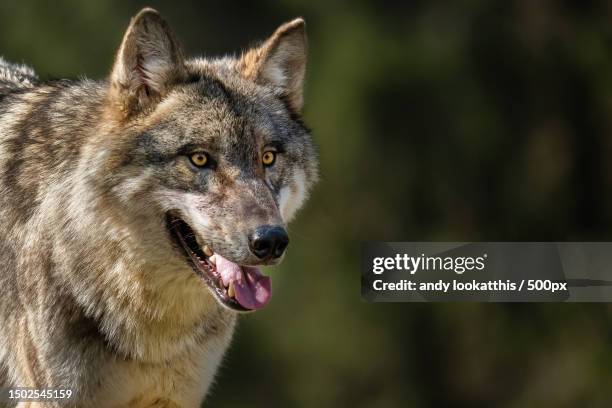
(94, 295)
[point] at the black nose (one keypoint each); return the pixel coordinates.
(268, 242)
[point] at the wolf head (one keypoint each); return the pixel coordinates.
(208, 160)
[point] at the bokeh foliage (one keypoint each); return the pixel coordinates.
(458, 121)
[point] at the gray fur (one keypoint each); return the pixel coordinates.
(95, 296)
(13, 77)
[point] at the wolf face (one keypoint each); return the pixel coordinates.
(138, 209)
(207, 160)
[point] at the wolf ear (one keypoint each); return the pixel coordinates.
(280, 62)
(148, 63)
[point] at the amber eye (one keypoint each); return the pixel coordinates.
(268, 158)
(199, 159)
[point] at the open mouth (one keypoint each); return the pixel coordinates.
(240, 288)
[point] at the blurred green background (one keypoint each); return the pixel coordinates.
(454, 121)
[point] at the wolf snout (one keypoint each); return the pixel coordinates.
(268, 242)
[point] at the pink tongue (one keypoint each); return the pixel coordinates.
(253, 290)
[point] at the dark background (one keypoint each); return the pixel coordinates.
(453, 121)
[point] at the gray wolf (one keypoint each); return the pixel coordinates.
(136, 211)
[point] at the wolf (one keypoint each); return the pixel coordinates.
(137, 211)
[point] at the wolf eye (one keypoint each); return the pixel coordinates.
(199, 159)
(268, 158)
